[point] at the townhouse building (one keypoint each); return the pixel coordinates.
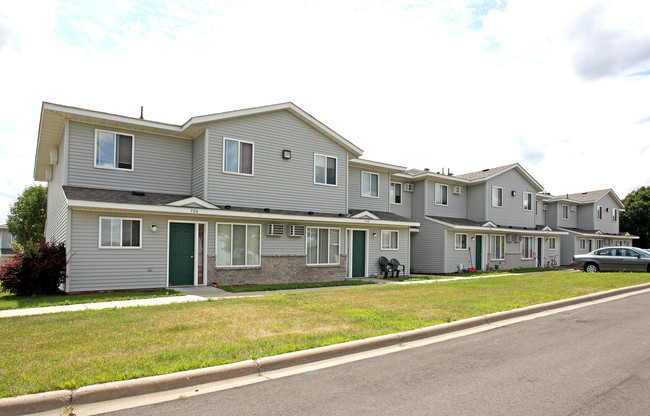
(6, 240)
(272, 195)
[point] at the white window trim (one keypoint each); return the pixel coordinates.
(120, 247)
(599, 212)
(435, 194)
(223, 162)
(392, 200)
(336, 173)
(614, 215)
(503, 237)
(554, 243)
(216, 246)
(371, 174)
(562, 211)
(456, 241)
(523, 203)
(582, 244)
(381, 244)
(495, 202)
(531, 246)
(116, 155)
(338, 246)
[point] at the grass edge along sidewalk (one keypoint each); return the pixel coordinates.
(68, 399)
(70, 350)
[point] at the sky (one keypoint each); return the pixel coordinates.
(561, 87)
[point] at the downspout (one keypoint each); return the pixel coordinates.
(206, 159)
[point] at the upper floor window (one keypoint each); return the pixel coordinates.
(528, 201)
(119, 232)
(113, 150)
(369, 184)
(614, 214)
(237, 156)
(395, 193)
(461, 241)
(324, 170)
(599, 212)
(497, 196)
(441, 194)
(389, 240)
(565, 212)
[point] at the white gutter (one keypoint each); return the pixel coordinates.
(501, 230)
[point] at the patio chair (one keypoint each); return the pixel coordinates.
(385, 266)
(396, 267)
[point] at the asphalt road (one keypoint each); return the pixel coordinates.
(589, 361)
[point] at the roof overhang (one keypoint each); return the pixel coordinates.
(377, 165)
(498, 230)
(599, 234)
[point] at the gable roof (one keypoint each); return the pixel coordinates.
(54, 116)
(589, 197)
(485, 173)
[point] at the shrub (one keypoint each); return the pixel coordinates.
(36, 269)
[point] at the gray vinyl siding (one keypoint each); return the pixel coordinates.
(57, 204)
(456, 204)
(540, 214)
(427, 248)
(379, 203)
(375, 251)
(92, 268)
(607, 225)
(5, 238)
(277, 183)
(572, 221)
(552, 214)
(512, 212)
(198, 164)
(161, 164)
(403, 209)
(466, 258)
(586, 217)
(570, 246)
(476, 202)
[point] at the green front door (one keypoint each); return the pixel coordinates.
(358, 253)
(540, 246)
(181, 254)
(479, 252)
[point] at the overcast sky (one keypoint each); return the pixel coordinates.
(562, 87)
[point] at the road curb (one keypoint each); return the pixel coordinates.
(41, 402)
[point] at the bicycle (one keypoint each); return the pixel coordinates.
(552, 262)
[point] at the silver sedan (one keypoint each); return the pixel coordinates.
(613, 259)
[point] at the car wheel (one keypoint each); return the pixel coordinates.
(591, 268)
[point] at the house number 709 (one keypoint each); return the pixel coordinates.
(194, 210)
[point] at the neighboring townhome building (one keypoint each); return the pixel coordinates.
(485, 220)
(262, 195)
(6, 239)
(591, 220)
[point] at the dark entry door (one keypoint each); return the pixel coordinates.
(358, 253)
(181, 254)
(479, 252)
(540, 247)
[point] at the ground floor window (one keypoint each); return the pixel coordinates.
(461, 242)
(526, 247)
(583, 244)
(551, 243)
(497, 245)
(238, 245)
(389, 240)
(119, 232)
(600, 244)
(323, 245)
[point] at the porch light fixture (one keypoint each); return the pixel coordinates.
(286, 154)
(374, 235)
(514, 193)
(154, 228)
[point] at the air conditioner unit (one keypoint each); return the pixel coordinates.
(573, 208)
(297, 230)
(513, 238)
(409, 187)
(544, 207)
(276, 229)
(458, 190)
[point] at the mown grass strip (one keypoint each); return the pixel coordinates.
(474, 274)
(9, 301)
(69, 350)
(291, 286)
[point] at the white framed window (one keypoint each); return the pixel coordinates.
(551, 243)
(528, 201)
(582, 243)
(461, 241)
(600, 243)
(389, 240)
(237, 156)
(536, 207)
(395, 193)
(120, 232)
(614, 214)
(565, 212)
(238, 244)
(526, 246)
(497, 247)
(325, 170)
(497, 196)
(441, 194)
(599, 212)
(114, 150)
(369, 184)
(323, 245)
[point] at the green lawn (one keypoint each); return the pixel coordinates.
(479, 273)
(9, 301)
(290, 286)
(69, 350)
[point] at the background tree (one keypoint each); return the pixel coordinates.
(26, 219)
(636, 217)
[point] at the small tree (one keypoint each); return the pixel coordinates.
(36, 269)
(636, 217)
(26, 219)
